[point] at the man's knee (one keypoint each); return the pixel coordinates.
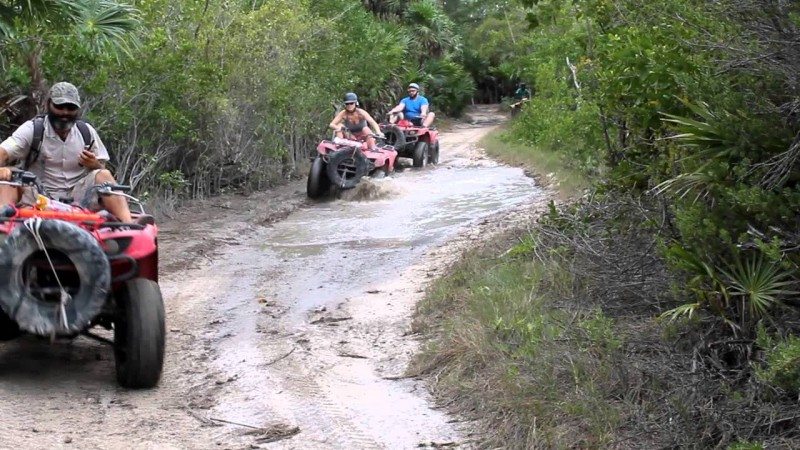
(103, 175)
(10, 194)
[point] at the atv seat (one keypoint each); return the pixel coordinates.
(145, 219)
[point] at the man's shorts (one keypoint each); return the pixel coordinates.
(417, 121)
(77, 193)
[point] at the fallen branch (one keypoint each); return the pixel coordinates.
(353, 355)
(330, 320)
(281, 357)
(236, 423)
(278, 434)
(204, 420)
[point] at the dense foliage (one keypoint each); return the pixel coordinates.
(193, 97)
(693, 102)
(686, 112)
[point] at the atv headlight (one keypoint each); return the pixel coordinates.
(114, 247)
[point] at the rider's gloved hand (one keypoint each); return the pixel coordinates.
(5, 173)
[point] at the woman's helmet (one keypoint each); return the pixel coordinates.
(351, 97)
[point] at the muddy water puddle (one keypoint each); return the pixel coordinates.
(351, 244)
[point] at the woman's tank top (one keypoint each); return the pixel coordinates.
(354, 127)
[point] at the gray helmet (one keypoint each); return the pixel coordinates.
(350, 97)
(414, 85)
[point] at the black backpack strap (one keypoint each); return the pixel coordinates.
(38, 137)
(83, 127)
(36, 142)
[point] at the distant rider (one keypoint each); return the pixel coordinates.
(522, 92)
(413, 108)
(355, 120)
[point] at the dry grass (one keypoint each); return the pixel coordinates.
(548, 168)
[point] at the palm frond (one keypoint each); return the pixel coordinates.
(686, 183)
(109, 26)
(759, 284)
(709, 133)
(687, 310)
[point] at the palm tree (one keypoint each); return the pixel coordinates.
(431, 29)
(28, 26)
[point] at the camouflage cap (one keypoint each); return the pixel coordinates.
(63, 92)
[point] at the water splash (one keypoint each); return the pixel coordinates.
(369, 189)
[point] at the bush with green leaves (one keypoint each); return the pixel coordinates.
(781, 366)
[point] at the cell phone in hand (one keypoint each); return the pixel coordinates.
(88, 148)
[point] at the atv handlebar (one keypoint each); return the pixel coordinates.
(20, 178)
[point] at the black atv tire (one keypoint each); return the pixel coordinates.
(433, 154)
(395, 137)
(318, 182)
(64, 241)
(346, 168)
(8, 328)
(139, 334)
(420, 154)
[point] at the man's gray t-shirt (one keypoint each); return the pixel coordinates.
(57, 167)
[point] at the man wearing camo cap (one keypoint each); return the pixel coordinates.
(66, 166)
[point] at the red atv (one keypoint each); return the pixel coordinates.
(342, 163)
(419, 143)
(65, 269)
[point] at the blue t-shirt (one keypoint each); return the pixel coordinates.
(413, 108)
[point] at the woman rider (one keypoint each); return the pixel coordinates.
(355, 120)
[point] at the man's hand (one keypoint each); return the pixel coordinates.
(90, 161)
(5, 173)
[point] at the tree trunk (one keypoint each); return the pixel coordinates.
(38, 94)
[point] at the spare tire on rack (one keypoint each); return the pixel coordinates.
(8, 328)
(395, 137)
(30, 291)
(346, 168)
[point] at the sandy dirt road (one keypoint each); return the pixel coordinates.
(288, 320)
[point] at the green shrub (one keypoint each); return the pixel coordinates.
(449, 86)
(781, 361)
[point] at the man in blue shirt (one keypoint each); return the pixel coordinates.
(414, 108)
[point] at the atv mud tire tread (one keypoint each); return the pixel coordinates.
(433, 154)
(8, 328)
(43, 318)
(358, 162)
(420, 154)
(318, 182)
(139, 334)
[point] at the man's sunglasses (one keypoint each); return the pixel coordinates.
(349, 103)
(65, 107)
